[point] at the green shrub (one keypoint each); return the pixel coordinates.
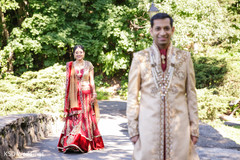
(98, 80)
(123, 91)
(210, 104)
(215, 101)
(34, 92)
(102, 94)
(209, 71)
(40, 92)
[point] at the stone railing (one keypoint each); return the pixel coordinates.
(18, 131)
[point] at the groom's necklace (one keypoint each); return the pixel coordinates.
(163, 57)
(162, 82)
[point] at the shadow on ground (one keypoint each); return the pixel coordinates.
(113, 108)
(211, 138)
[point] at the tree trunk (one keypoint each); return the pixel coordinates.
(10, 64)
(5, 33)
(22, 12)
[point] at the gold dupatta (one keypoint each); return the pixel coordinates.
(96, 110)
(73, 89)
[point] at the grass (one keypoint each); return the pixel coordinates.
(102, 94)
(40, 92)
(231, 132)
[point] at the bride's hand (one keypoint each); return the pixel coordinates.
(94, 96)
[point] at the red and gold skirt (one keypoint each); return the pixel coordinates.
(80, 132)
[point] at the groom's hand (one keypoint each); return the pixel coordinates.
(134, 139)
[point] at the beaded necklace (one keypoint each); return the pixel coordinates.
(162, 82)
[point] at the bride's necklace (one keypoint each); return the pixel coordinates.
(79, 67)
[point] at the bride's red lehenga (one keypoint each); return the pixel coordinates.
(80, 132)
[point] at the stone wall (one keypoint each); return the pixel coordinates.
(18, 131)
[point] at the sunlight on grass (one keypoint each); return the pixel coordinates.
(231, 132)
(102, 94)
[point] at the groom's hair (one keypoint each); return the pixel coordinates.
(161, 16)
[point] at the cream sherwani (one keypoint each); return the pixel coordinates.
(164, 122)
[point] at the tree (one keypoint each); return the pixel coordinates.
(110, 30)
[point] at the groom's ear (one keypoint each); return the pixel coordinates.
(151, 31)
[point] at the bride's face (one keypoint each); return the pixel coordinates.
(79, 54)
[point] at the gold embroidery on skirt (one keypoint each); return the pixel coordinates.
(83, 127)
(94, 127)
(68, 128)
(70, 139)
(76, 128)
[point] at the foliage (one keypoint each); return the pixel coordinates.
(102, 94)
(42, 33)
(33, 92)
(8, 5)
(215, 100)
(101, 86)
(211, 104)
(99, 82)
(124, 87)
(53, 28)
(111, 30)
(200, 23)
(210, 71)
(38, 92)
(236, 112)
